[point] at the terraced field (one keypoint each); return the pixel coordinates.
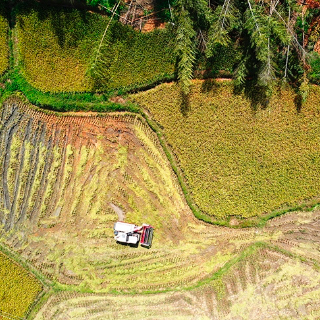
(243, 160)
(66, 178)
(4, 45)
(18, 289)
(264, 281)
(70, 57)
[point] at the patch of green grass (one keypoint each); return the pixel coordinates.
(18, 288)
(4, 46)
(236, 160)
(61, 101)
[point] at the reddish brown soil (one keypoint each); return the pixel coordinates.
(141, 15)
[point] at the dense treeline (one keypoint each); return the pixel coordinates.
(273, 39)
(260, 41)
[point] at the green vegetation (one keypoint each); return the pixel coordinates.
(58, 59)
(241, 160)
(4, 48)
(129, 59)
(63, 101)
(18, 288)
(273, 40)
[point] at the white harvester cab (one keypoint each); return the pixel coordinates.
(126, 232)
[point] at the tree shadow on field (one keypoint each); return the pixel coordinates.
(298, 102)
(257, 95)
(209, 85)
(66, 24)
(65, 18)
(185, 105)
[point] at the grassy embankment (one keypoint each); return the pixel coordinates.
(18, 288)
(238, 161)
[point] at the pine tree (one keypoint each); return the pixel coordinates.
(262, 30)
(189, 17)
(265, 31)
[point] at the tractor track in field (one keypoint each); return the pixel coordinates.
(37, 139)
(14, 212)
(8, 135)
(43, 184)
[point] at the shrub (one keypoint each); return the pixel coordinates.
(314, 74)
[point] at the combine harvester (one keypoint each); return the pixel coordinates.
(131, 234)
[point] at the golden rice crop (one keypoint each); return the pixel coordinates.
(4, 49)
(237, 160)
(58, 51)
(56, 46)
(18, 288)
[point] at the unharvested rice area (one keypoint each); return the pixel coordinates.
(60, 50)
(238, 161)
(18, 289)
(56, 46)
(4, 46)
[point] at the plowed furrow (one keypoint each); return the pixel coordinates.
(34, 160)
(8, 139)
(43, 184)
(21, 188)
(59, 177)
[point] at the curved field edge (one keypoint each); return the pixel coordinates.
(20, 287)
(232, 221)
(275, 272)
(60, 171)
(188, 254)
(251, 146)
(72, 170)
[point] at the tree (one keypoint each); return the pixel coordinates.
(267, 32)
(190, 16)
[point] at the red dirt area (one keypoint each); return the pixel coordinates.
(310, 3)
(141, 15)
(153, 24)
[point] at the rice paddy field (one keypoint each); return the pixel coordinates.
(67, 177)
(237, 160)
(18, 289)
(70, 56)
(4, 45)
